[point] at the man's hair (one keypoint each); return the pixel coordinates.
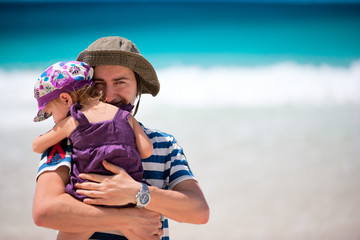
(138, 91)
(138, 84)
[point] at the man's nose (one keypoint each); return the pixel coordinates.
(109, 93)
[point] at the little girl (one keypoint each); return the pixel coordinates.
(98, 131)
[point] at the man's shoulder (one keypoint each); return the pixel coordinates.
(156, 135)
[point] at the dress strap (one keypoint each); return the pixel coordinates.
(78, 115)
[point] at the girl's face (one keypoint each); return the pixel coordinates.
(58, 109)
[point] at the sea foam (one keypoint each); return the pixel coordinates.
(273, 85)
(280, 84)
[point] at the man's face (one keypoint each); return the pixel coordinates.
(117, 83)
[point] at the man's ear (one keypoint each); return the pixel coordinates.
(66, 99)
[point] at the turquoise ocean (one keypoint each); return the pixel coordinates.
(264, 97)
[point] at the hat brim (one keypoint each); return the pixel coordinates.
(133, 61)
(41, 115)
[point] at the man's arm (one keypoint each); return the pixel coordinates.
(55, 209)
(184, 203)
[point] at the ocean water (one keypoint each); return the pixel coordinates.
(200, 33)
(263, 97)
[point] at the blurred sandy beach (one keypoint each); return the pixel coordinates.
(275, 173)
(264, 98)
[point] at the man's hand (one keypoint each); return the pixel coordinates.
(121, 189)
(115, 190)
(142, 225)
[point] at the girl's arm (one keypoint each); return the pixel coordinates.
(143, 143)
(61, 130)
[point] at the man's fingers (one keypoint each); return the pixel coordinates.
(160, 233)
(160, 224)
(87, 186)
(91, 194)
(94, 201)
(92, 177)
(111, 167)
(132, 236)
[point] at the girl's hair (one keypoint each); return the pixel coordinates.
(87, 95)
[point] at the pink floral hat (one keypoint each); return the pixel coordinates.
(58, 78)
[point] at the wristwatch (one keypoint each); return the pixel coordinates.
(143, 196)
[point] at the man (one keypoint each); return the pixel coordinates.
(123, 75)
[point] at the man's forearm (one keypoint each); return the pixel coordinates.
(68, 214)
(185, 203)
(55, 209)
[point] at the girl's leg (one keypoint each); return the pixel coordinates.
(73, 236)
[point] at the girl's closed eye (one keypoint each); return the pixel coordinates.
(99, 85)
(47, 108)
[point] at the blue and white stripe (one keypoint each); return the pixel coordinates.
(56, 161)
(166, 167)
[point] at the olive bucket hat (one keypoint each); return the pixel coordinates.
(121, 51)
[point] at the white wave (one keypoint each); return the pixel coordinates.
(191, 86)
(273, 85)
(19, 105)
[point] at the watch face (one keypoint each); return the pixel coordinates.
(144, 198)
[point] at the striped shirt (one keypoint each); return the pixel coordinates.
(164, 169)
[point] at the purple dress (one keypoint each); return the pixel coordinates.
(112, 140)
